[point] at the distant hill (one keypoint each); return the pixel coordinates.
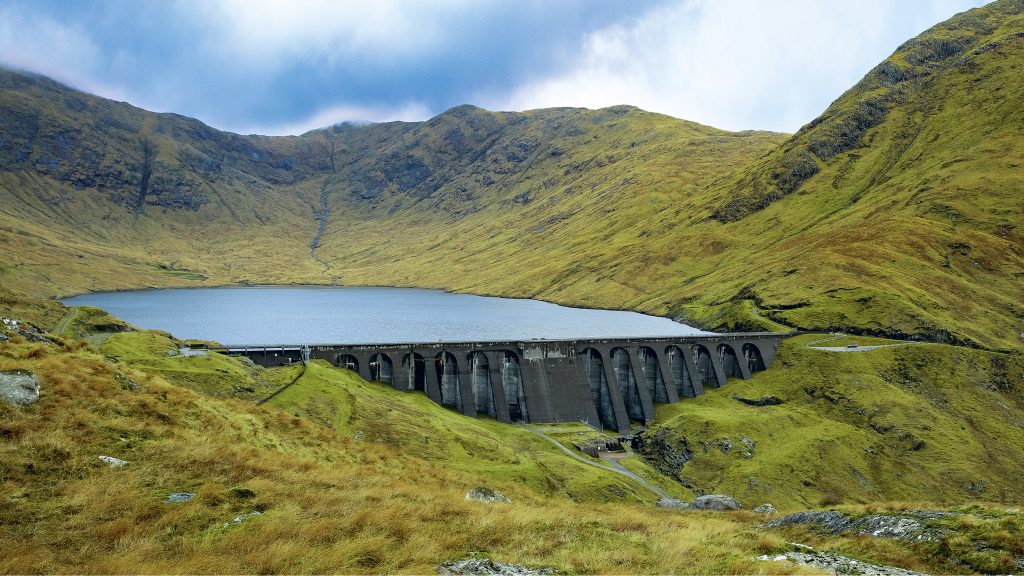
(897, 212)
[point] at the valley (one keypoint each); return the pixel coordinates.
(885, 238)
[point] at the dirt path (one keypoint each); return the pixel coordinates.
(837, 335)
(613, 467)
(858, 348)
(63, 325)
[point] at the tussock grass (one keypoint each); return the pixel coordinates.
(329, 502)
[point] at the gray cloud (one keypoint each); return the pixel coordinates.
(285, 67)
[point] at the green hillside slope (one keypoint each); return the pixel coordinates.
(354, 477)
(96, 194)
(897, 212)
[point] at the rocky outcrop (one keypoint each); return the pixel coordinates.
(672, 503)
(483, 494)
(836, 564)
(910, 526)
(113, 462)
(488, 566)
(719, 502)
(666, 454)
(758, 402)
(19, 387)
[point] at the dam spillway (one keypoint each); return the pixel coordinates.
(605, 383)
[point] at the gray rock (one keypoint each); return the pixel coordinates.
(113, 462)
(3, 337)
(715, 502)
(242, 518)
(177, 497)
(24, 329)
(759, 402)
(19, 387)
(765, 509)
(672, 503)
(837, 564)
(483, 494)
(488, 566)
(909, 526)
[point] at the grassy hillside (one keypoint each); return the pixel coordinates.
(896, 212)
(99, 195)
(908, 422)
(348, 476)
(355, 477)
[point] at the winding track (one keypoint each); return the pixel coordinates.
(811, 345)
(67, 320)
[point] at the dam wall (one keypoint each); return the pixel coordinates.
(606, 383)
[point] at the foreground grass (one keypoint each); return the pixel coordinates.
(330, 502)
(354, 477)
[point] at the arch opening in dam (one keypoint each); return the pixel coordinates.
(706, 372)
(730, 363)
(605, 383)
(381, 368)
(450, 380)
(755, 363)
(512, 383)
(600, 392)
(628, 387)
(480, 377)
(652, 375)
(679, 368)
(347, 361)
(414, 367)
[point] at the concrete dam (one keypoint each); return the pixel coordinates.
(605, 383)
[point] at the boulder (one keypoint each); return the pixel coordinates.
(242, 518)
(759, 402)
(765, 509)
(113, 462)
(178, 497)
(911, 525)
(715, 502)
(488, 566)
(673, 503)
(19, 387)
(483, 494)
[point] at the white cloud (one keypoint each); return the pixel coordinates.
(734, 64)
(410, 112)
(268, 33)
(64, 52)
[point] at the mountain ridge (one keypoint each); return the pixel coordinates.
(883, 224)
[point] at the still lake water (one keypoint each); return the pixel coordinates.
(357, 315)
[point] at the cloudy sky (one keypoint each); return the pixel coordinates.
(257, 66)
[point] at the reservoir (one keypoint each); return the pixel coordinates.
(270, 315)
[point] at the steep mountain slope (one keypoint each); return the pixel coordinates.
(901, 208)
(167, 199)
(896, 212)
